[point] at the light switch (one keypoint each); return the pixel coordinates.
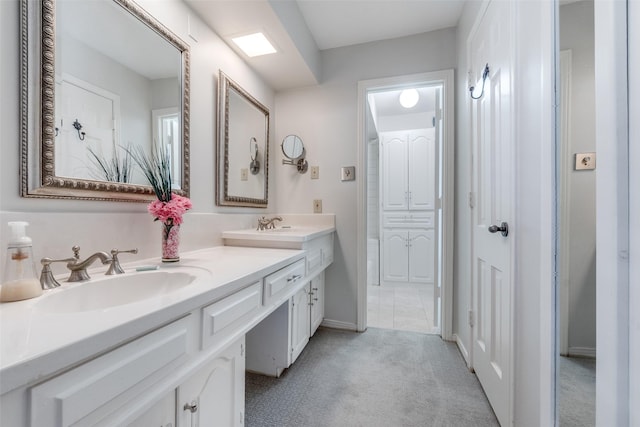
(244, 174)
(317, 206)
(315, 172)
(585, 161)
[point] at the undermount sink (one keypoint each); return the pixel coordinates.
(112, 291)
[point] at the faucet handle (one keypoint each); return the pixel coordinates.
(115, 267)
(47, 281)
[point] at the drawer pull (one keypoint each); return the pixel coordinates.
(192, 407)
(294, 278)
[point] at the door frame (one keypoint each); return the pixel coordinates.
(446, 79)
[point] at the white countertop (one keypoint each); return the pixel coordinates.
(297, 234)
(35, 344)
(293, 232)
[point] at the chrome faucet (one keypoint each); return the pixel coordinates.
(79, 268)
(266, 224)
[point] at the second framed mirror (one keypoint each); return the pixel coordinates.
(243, 147)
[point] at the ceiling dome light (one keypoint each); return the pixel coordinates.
(409, 98)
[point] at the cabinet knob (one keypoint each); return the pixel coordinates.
(192, 407)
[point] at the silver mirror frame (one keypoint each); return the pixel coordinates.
(37, 111)
(223, 198)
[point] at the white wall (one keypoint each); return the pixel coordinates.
(576, 33)
(325, 117)
(55, 223)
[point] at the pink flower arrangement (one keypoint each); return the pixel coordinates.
(170, 213)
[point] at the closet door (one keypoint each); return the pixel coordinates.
(422, 169)
(421, 256)
(395, 256)
(394, 177)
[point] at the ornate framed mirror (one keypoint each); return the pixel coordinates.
(90, 94)
(243, 147)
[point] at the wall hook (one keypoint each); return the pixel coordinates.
(78, 127)
(485, 74)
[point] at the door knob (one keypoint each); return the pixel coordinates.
(503, 229)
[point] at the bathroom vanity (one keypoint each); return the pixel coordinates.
(158, 348)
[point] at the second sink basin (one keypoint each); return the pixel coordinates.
(113, 291)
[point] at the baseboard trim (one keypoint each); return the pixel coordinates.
(589, 352)
(336, 324)
(463, 350)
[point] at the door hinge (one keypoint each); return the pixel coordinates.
(472, 200)
(471, 318)
(241, 349)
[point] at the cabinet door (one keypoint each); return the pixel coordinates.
(422, 169)
(394, 172)
(421, 256)
(317, 302)
(300, 322)
(214, 396)
(395, 262)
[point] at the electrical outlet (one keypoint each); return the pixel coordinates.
(585, 161)
(317, 206)
(244, 174)
(315, 172)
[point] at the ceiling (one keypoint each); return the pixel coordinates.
(300, 29)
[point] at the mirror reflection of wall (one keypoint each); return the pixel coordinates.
(577, 249)
(112, 91)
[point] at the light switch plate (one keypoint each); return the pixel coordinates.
(244, 174)
(348, 173)
(317, 206)
(585, 161)
(315, 172)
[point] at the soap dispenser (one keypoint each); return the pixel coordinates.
(20, 278)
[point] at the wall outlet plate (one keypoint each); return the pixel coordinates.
(349, 173)
(585, 161)
(315, 172)
(317, 206)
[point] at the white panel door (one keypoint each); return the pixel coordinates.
(214, 396)
(394, 165)
(395, 256)
(492, 183)
(422, 169)
(95, 110)
(421, 256)
(300, 322)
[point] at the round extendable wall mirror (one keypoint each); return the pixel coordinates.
(293, 150)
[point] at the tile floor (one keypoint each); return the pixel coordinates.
(401, 307)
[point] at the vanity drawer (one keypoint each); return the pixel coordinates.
(222, 318)
(87, 394)
(283, 279)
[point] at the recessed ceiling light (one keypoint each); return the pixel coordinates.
(409, 98)
(254, 44)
